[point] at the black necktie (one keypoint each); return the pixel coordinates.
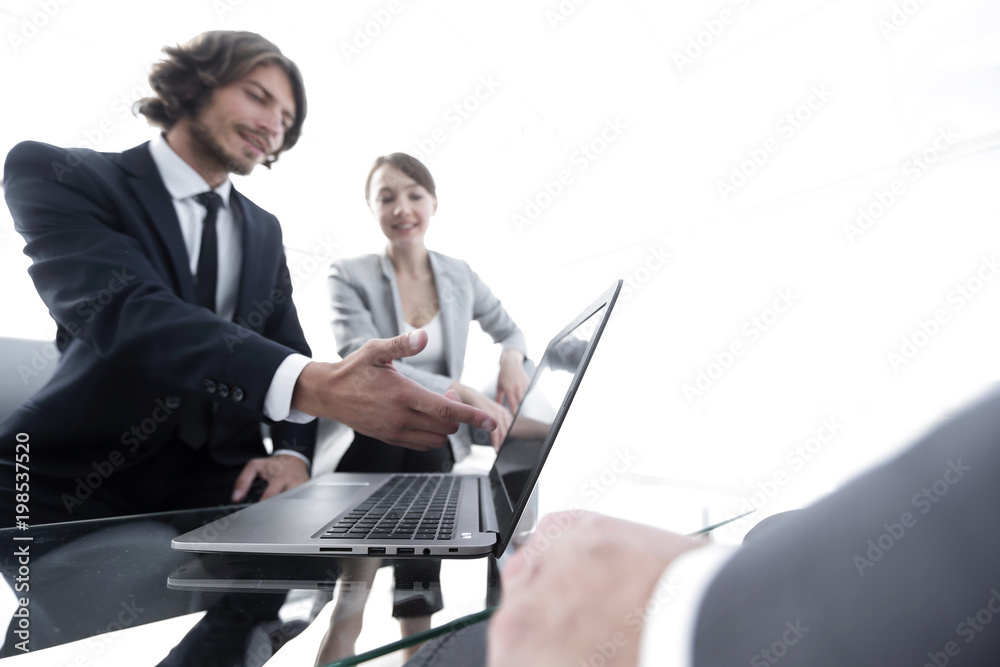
(208, 258)
(196, 415)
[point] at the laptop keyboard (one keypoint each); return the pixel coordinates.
(419, 507)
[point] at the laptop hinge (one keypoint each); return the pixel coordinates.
(487, 514)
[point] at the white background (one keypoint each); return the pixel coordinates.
(686, 99)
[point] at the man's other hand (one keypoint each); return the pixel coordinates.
(281, 472)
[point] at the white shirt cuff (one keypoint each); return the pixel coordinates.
(292, 452)
(672, 611)
(278, 400)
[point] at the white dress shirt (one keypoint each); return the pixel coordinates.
(184, 184)
(671, 615)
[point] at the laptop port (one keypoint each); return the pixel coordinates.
(405, 551)
(376, 551)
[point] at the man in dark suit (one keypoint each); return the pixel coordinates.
(175, 319)
(899, 567)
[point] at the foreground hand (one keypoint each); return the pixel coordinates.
(512, 383)
(366, 392)
(281, 472)
(574, 588)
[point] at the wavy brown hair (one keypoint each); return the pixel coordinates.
(184, 81)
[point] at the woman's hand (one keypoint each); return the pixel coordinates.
(500, 414)
(512, 382)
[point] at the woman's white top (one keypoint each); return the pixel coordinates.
(431, 358)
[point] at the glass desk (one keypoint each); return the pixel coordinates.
(76, 592)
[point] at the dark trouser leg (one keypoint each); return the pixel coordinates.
(463, 648)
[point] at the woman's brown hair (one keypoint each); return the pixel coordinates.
(407, 164)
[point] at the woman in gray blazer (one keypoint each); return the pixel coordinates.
(409, 287)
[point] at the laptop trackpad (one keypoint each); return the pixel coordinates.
(328, 491)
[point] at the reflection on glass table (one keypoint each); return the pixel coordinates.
(413, 640)
(76, 593)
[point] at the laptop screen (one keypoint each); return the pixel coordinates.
(520, 459)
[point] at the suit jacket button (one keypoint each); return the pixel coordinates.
(223, 389)
(209, 386)
(173, 402)
(237, 394)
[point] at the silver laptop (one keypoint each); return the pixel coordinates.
(422, 514)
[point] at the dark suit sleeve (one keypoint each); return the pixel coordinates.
(900, 567)
(95, 265)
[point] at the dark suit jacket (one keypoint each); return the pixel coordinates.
(109, 261)
(900, 567)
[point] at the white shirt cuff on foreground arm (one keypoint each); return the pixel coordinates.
(672, 612)
(278, 400)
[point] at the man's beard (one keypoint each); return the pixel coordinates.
(206, 144)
